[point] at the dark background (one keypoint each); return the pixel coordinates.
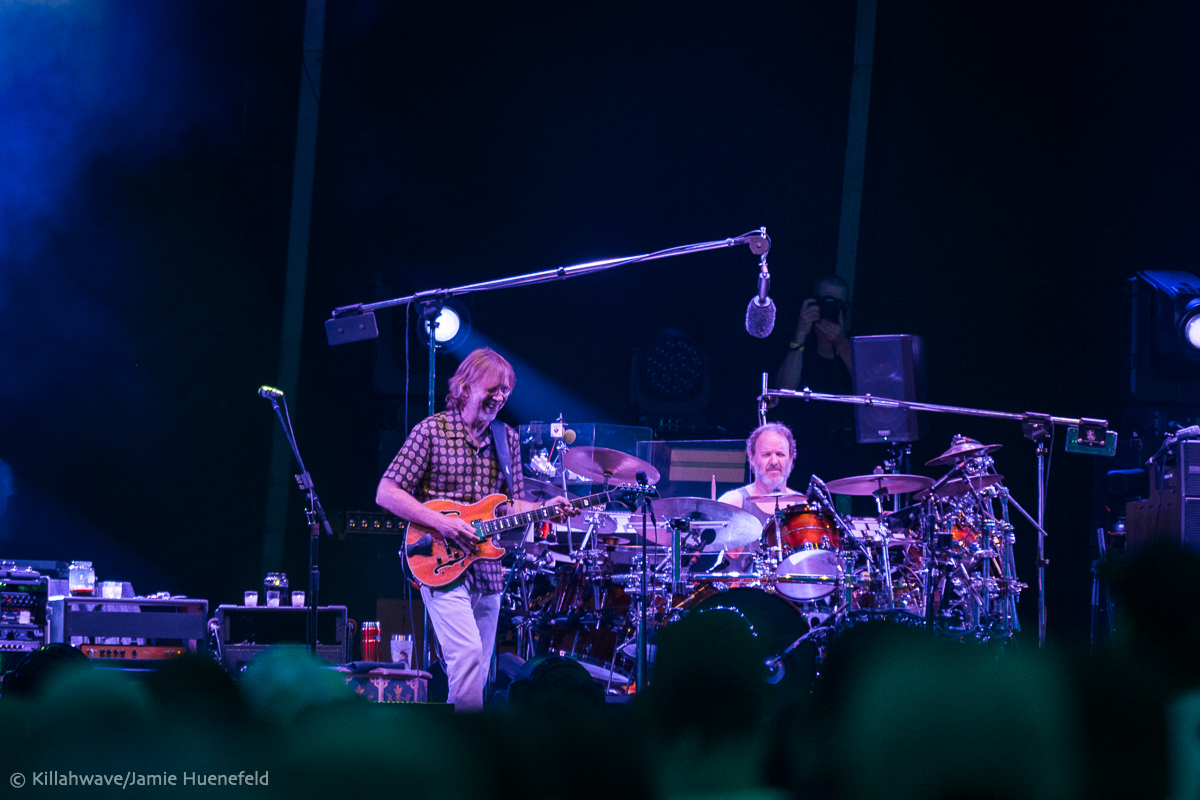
(1023, 159)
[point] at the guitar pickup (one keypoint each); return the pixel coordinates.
(421, 547)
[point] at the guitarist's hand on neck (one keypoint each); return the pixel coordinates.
(564, 506)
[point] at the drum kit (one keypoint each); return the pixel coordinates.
(938, 553)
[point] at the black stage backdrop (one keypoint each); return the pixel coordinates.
(1022, 160)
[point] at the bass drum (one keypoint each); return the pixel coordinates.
(775, 622)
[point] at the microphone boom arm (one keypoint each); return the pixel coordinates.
(758, 241)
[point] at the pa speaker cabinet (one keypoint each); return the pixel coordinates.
(247, 631)
(893, 367)
(1172, 511)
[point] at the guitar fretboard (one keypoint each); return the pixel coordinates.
(491, 527)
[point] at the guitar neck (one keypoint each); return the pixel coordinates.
(491, 527)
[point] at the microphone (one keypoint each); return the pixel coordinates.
(269, 392)
(569, 436)
(760, 313)
(1186, 433)
(773, 670)
(812, 495)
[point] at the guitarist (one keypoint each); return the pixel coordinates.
(454, 455)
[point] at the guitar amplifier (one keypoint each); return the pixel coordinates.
(246, 632)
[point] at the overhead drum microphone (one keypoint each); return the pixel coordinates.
(760, 319)
(760, 313)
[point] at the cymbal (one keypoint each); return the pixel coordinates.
(599, 463)
(866, 485)
(791, 497)
(967, 448)
(730, 526)
(959, 486)
(536, 491)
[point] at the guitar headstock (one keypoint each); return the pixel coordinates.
(631, 492)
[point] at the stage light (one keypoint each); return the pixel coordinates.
(670, 374)
(1191, 329)
(1164, 338)
(453, 324)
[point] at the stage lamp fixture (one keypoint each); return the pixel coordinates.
(1163, 339)
(1191, 326)
(453, 323)
(1175, 321)
(670, 374)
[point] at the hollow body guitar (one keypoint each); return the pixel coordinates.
(436, 562)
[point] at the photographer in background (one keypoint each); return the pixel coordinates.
(820, 342)
(818, 358)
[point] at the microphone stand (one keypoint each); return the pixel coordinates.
(1036, 427)
(317, 522)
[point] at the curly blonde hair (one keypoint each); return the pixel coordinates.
(481, 367)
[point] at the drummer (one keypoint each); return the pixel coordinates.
(771, 449)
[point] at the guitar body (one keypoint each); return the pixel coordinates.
(434, 561)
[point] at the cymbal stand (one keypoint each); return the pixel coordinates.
(879, 496)
(643, 671)
(562, 456)
(523, 622)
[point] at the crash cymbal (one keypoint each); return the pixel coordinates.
(959, 486)
(536, 491)
(866, 485)
(599, 463)
(960, 449)
(720, 525)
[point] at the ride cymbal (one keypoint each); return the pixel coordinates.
(867, 485)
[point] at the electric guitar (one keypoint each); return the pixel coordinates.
(435, 562)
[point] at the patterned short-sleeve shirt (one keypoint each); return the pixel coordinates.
(439, 461)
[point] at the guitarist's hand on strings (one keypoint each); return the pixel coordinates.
(458, 530)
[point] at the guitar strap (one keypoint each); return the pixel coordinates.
(500, 442)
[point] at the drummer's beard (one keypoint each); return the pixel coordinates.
(773, 483)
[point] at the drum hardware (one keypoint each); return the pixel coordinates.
(960, 486)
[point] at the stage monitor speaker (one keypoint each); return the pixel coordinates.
(890, 366)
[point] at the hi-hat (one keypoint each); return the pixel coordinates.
(866, 485)
(536, 491)
(961, 448)
(600, 464)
